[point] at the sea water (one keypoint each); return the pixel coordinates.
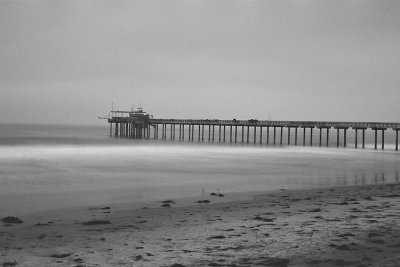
(46, 167)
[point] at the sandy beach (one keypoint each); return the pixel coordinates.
(342, 226)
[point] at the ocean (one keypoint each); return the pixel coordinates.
(45, 167)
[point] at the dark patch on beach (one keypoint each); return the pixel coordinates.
(203, 201)
(104, 208)
(345, 235)
(217, 237)
(341, 247)
(96, 222)
(315, 210)
(60, 256)
(11, 219)
(259, 218)
(166, 205)
(168, 202)
(139, 257)
(42, 236)
(276, 262)
(9, 264)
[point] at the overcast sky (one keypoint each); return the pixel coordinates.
(66, 61)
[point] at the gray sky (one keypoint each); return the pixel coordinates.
(65, 61)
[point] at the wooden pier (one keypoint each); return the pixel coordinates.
(140, 125)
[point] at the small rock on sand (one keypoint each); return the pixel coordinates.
(166, 205)
(9, 263)
(60, 256)
(11, 219)
(96, 222)
(203, 201)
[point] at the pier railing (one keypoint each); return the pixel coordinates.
(266, 123)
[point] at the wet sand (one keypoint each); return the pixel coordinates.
(342, 226)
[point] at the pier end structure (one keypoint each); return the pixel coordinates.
(133, 124)
(141, 125)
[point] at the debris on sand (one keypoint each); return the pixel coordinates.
(60, 256)
(259, 218)
(9, 264)
(203, 201)
(105, 208)
(168, 202)
(96, 222)
(11, 219)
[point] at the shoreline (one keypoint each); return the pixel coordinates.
(334, 226)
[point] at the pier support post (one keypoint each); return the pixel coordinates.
(261, 135)
(230, 134)
(320, 136)
(274, 135)
(376, 139)
(280, 141)
(110, 129)
(267, 135)
(248, 131)
(199, 134)
(383, 139)
(235, 133)
(327, 137)
(345, 140)
(295, 136)
(116, 129)
(224, 133)
(171, 132)
(337, 137)
(397, 139)
(255, 132)
(132, 130)
(213, 134)
(304, 136)
(192, 132)
(242, 134)
(363, 138)
(209, 132)
(288, 136)
(202, 132)
(180, 132)
(183, 132)
(311, 133)
(356, 137)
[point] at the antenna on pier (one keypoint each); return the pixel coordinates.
(140, 102)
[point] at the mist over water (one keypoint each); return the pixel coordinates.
(49, 167)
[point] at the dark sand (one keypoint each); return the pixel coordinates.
(347, 226)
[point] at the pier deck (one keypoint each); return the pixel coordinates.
(138, 124)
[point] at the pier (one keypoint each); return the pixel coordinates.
(140, 125)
